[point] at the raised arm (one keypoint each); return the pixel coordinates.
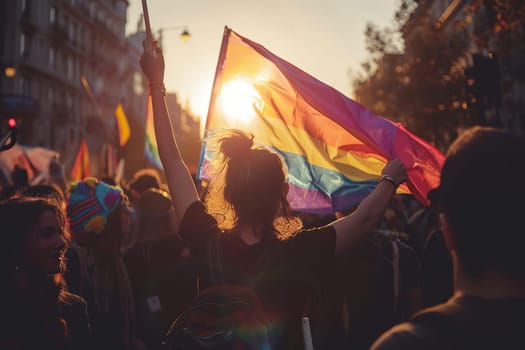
(180, 183)
(352, 228)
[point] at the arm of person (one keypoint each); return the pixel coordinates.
(353, 228)
(180, 183)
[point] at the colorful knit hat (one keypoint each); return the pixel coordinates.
(89, 205)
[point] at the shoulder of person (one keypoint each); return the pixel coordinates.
(406, 336)
(428, 329)
(73, 308)
(312, 238)
(312, 232)
(71, 301)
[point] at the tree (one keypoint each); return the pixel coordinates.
(423, 79)
(422, 85)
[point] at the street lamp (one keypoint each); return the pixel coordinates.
(184, 35)
(10, 71)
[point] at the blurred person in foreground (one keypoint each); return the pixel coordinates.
(481, 200)
(38, 311)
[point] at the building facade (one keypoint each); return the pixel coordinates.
(64, 65)
(187, 131)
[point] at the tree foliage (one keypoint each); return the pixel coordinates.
(419, 77)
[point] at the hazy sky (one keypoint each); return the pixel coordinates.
(322, 37)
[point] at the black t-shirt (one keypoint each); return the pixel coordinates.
(285, 273)
(464, 322)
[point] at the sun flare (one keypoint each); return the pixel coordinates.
(238, 100)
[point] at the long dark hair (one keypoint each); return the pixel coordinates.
(36, 299)
(251, 180)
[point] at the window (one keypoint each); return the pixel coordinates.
(52, 15)
(76, 69)
(52, 57)
(72, 31)
(51, 95)
(25, 8)
(24, 45)
(80, 35)
(65, 24)
(24, 84)
(61, 62)
(69, 100)
(34, 90)
(70, 68)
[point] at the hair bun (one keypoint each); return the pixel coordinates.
(236, 144)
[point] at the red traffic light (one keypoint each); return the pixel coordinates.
(11, 122)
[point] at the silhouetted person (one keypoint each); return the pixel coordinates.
(56, 174)
(19, 177)
(142, 181)
(481, 198)
(19, 182)
(162, 284)
(108, 180)
(253, 186)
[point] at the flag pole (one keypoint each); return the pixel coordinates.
(218, 73)
(145, 12)
(91, 95)
(214, 92)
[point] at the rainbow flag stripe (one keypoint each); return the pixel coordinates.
(151, 150)
(333, 147)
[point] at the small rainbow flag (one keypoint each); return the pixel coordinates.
(333, 147)
(150, 147)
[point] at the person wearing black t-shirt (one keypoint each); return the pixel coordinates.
(281, 262)
(481, 203)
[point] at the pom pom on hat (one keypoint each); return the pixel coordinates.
(90, 204)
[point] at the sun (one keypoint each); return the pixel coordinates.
(238, 100)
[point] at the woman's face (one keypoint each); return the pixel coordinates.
(44, 244)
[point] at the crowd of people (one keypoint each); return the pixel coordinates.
(100, 265)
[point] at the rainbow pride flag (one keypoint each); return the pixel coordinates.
(150, 147)
(333, 147)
